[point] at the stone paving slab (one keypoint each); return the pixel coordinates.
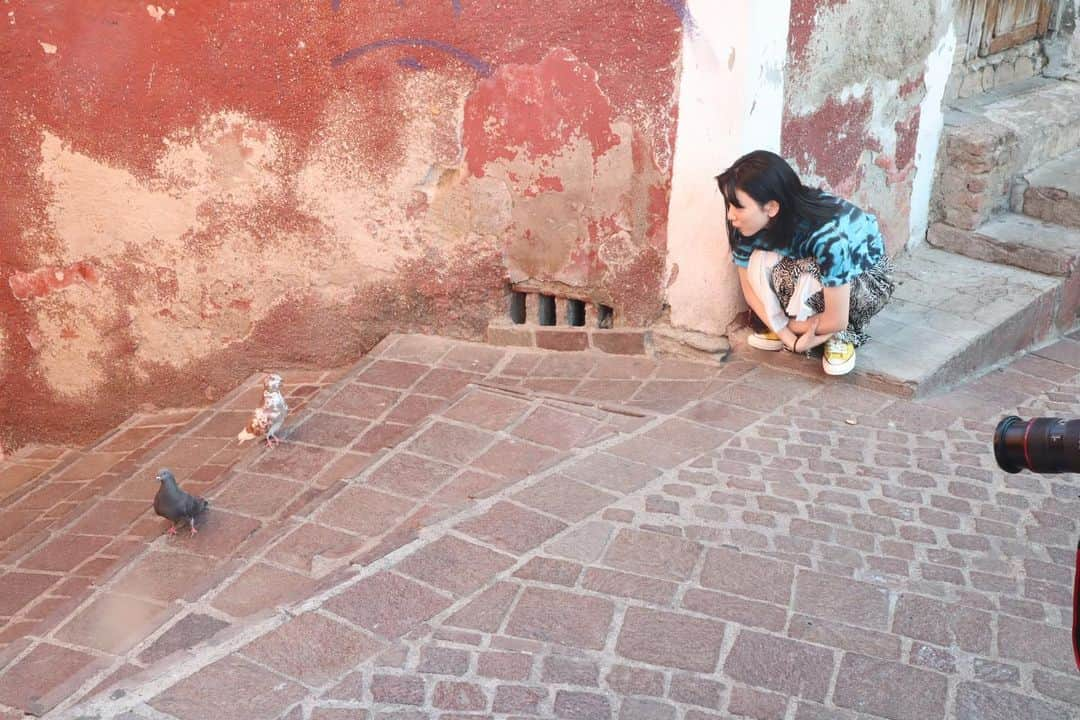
(772, 546)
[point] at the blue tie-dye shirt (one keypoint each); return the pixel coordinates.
(844, 247)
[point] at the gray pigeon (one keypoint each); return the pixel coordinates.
(174, 504)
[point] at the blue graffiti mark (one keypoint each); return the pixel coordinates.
(411, 63)
(335, 5)
(683, 12)
(481, 66)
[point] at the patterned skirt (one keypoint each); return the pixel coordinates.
(870, 291)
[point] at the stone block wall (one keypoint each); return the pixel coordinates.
(985, 74)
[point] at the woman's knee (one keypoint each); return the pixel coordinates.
(765, 258)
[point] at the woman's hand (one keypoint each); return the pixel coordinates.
(810, 340)
(789, 338)
(801, 327)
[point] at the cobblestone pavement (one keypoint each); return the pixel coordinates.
(458, 531)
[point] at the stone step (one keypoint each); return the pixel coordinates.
(1011, 239)
(1053, 191)
(952, 317)
(990, 140)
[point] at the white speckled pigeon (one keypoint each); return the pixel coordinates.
(268, 419)
(174, 504)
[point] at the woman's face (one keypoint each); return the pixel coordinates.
(751, 217)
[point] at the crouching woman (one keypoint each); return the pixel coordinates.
(812, 266)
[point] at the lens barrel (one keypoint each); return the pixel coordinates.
(1041, 445)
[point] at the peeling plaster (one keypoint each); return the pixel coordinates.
(97, 210)
(45, 280)
(858, 41)
(862, 119)
(931, 124)
(158, 13)
(580, 183)
(362, 200)
(229, 156)
(133, 230)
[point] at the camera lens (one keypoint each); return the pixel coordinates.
(1042, 445)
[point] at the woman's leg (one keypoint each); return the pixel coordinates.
(759, 274)
(870, 292)
(797, 283)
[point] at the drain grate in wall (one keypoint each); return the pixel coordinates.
(605, 316)
(545, 310)
(553, 310)
(575, 313)
(517, 307)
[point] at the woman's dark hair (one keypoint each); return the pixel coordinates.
(766, 176)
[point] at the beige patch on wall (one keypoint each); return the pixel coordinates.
(365, 205)
(97, 210)
(593, 189)
(228, 157)
(549, 224)
(71, 344)
(134, 232)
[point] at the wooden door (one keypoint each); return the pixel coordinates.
(985, 27)
(1013, 22)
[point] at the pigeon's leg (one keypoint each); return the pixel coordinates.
(272, 441)
(191, 521)
(172, 530)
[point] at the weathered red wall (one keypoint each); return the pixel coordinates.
(852, 101)
(198, 189)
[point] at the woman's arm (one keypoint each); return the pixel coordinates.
(816, 329)
(786, 335)
(837, 308)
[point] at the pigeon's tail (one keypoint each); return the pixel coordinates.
(245, 435)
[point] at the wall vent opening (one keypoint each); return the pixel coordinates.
(517, 307)
(605, 316)
(575, 313)
(546, 310)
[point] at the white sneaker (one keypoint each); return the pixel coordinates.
(839, 357)
(766, 340)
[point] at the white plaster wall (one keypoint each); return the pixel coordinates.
(1072, 56)
(931, 124)
(730, 102)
